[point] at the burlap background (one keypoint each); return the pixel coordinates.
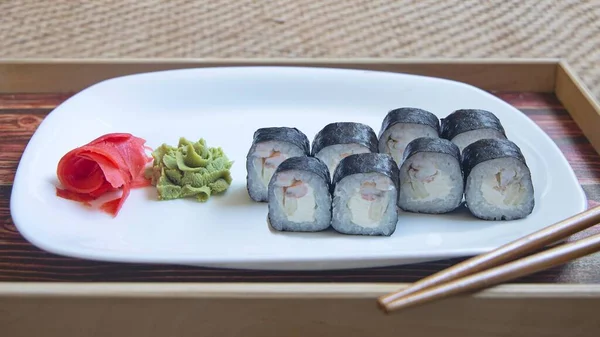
(305, 28)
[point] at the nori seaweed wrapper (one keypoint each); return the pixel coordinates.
(488, 149)
(468, 120)
(283, 134)
(367, 163)
(345, 133)
(305, 163)
(409, 115)
(427, 144)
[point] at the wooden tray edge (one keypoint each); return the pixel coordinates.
(579, 102)
(70, 75)
(271, 290)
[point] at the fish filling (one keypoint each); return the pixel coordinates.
(332, 155)
(466, 138)
(296, 199)
(369, 202)
(402, 134)
(505, 188)
(266, 161)
(426, 181)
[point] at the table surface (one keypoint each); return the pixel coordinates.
(20, 114)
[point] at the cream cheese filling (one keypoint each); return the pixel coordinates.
(503, 189)
(296, 198)
(300, 209)
(427, 181)
(369, 202)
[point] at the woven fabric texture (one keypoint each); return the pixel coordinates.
(305, 28)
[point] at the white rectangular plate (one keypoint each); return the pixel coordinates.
(225, 106)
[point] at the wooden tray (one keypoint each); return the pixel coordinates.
(47, 295)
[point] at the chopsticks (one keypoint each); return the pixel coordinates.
(471, 275)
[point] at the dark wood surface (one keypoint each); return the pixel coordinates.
(20, 261)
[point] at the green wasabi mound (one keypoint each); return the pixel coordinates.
(189, 170)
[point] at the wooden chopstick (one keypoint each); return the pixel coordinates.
(508, 252)
(528, 265)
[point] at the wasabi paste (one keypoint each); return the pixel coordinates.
(189, 170)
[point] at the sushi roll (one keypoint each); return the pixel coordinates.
(498, 183)
(338, 140)
(270, 147)
(403, 125)
(431, 179)
(466, 126)
(299, 196)
(365, 195)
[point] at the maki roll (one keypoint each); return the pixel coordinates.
(365, 194)
(498, 183)
(431, 179)
(299, 196)
(403, 125)
(270, 147)
(338, 140)
(466, 126)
